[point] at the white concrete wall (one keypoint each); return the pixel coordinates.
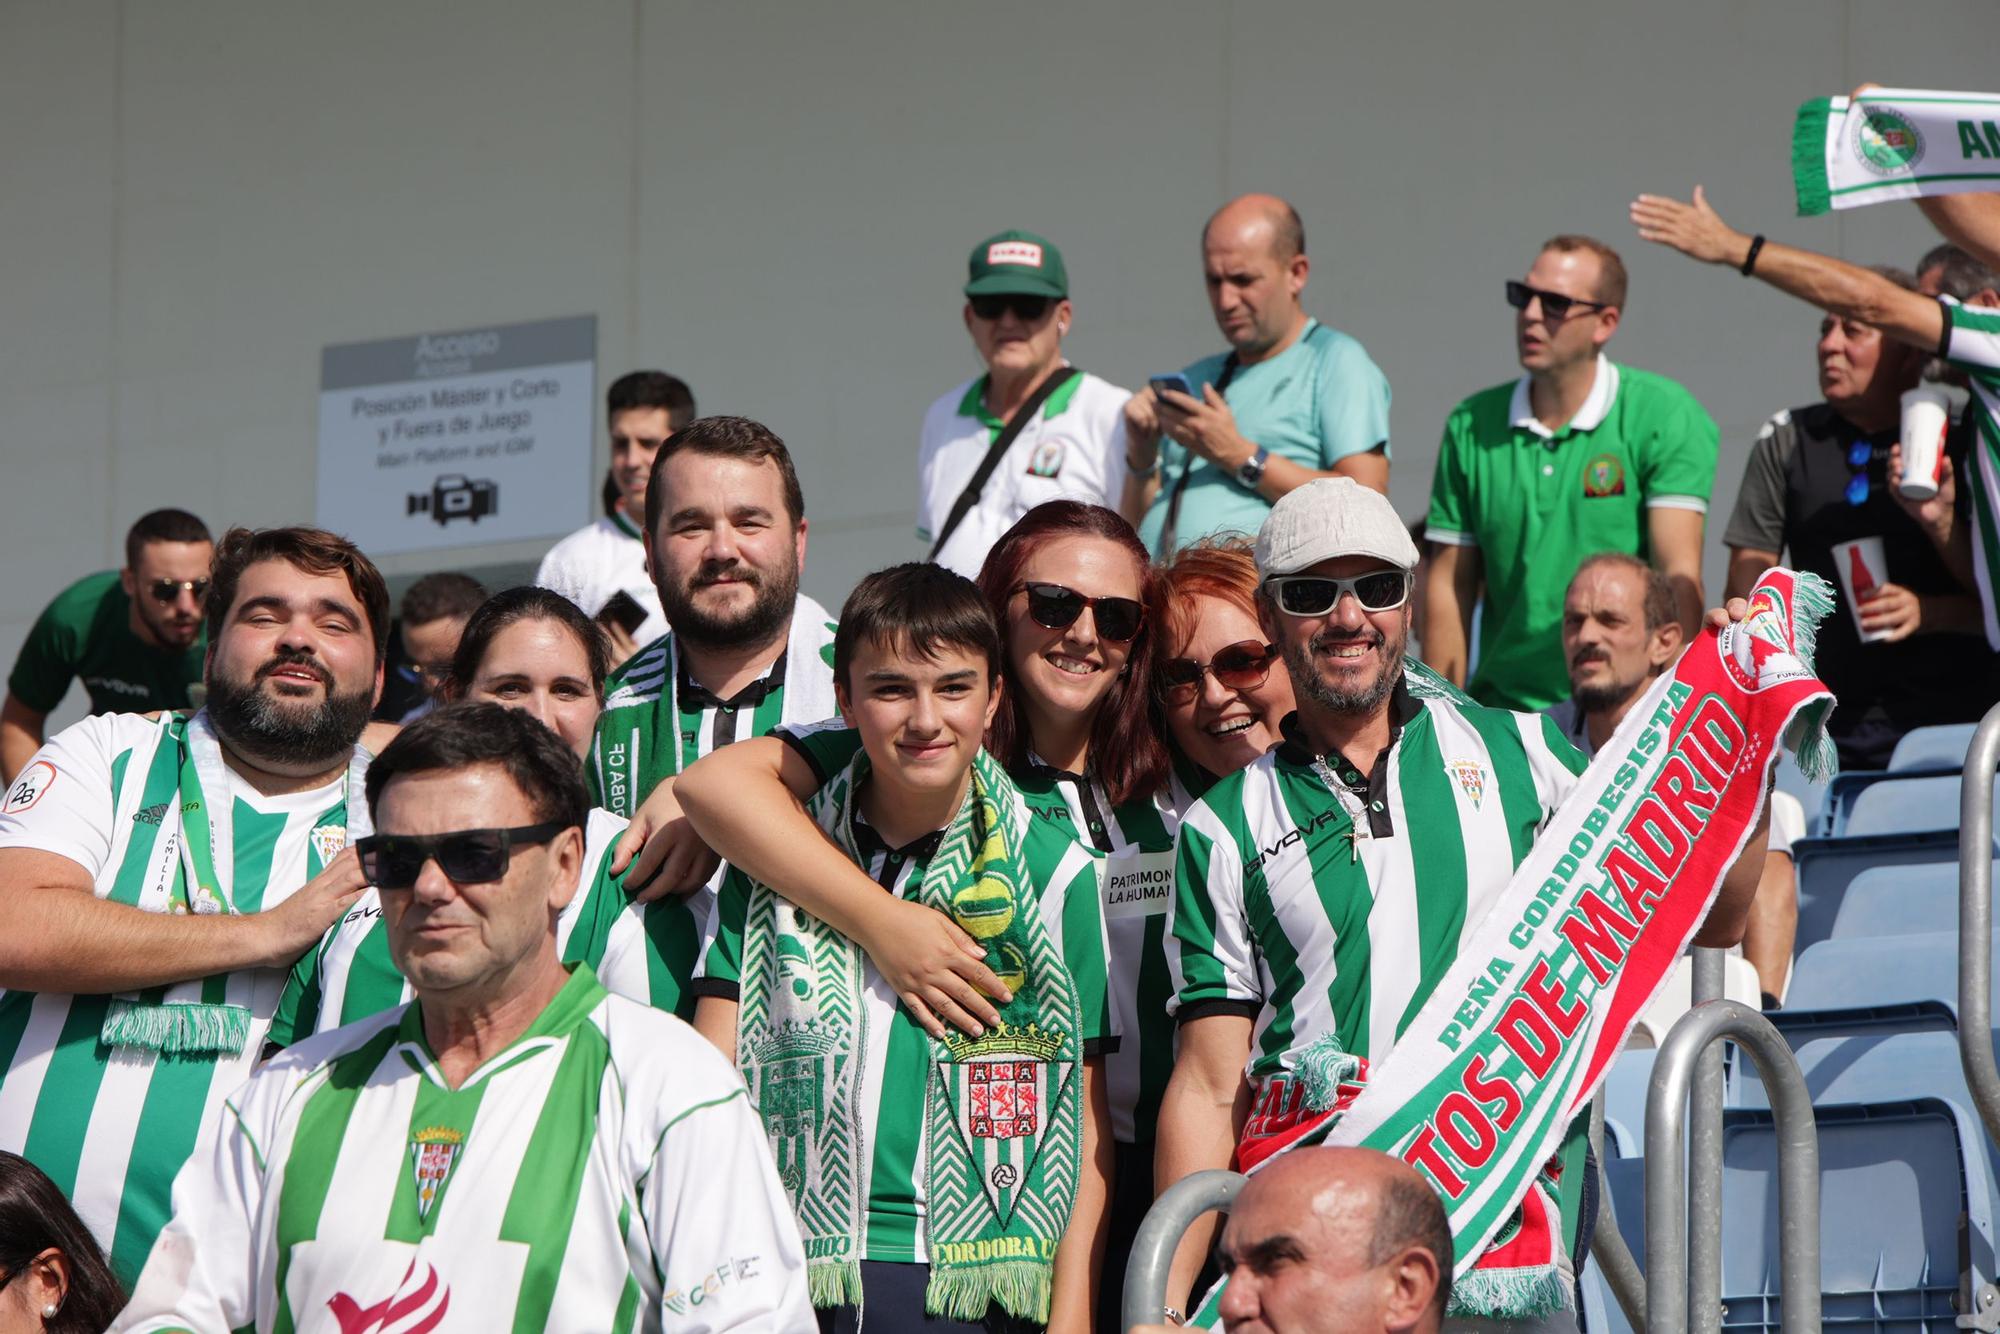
(775, 201)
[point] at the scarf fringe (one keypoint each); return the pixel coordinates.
(963, 1292)
(1323, 1066)
(1813, 602)
(1508, 1294)
(1815, 192)
(831, 1283)
(177, 1028)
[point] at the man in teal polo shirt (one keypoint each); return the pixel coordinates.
(1291, 401)
(1578, 456)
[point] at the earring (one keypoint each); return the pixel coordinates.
(49, 1311)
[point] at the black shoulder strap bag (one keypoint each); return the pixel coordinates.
(1008, 434)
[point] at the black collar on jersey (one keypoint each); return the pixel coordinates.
(868, 842)
(1373, 790)
(1096, 828)
(696, 695)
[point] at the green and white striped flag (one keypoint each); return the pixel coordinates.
(1894, 143)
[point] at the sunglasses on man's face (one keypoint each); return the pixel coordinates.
(1555, 306)
(1027, 309)
(1316, 595)
(1242, 666)
(168, 591)
(1056, 608)
(466, 856)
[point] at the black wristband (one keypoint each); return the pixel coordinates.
(1750, 260)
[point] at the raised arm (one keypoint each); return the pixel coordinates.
(1970, 222)
(743, 800)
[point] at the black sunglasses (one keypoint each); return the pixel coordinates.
(1315, 595)
(1241, 666)
(1056, 608)
(467, 856)
(1027, 308)
(168, 591)
(1555, 306)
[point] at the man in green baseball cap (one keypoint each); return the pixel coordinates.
(1031, 429)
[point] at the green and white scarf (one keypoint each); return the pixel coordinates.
(1002, 1112)
(1894, 143)
(194, 1018)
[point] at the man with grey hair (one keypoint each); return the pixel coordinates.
(1618, 632)
(1335, 1241)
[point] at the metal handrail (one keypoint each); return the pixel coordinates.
(1704, 1194)
(1607, 1243)
(1798, 1165)
(1159, 1236)
(1975, 920)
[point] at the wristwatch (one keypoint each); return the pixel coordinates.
(1252, 470)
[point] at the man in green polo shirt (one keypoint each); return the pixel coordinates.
(132, 636)
(1578, 456)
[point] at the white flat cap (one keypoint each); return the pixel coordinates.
(1330, 517)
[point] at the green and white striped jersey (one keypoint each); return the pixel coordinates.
(1320, 922)
(1972, 343)
(644, 951)
(1066, 882)
(658, 720)
(604, 1172)
(1137, 842)
(112, 1131)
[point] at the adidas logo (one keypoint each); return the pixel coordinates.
(151, 815)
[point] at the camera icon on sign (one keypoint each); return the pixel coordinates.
(455, 496)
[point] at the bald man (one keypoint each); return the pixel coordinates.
(1290, 401)
(1334, 1241)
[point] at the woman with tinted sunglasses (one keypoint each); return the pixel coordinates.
(1221, 687)
(529, 649)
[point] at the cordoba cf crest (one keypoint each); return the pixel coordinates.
(328, 840)
(433, 1153)
(998, 1090)
(1471, 777)
(1005, 1097)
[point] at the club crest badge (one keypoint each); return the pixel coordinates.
(1000, 1087)
(1471, 778)
(1887, 142)
(1047, 460)
(433, 1153)
(1603, 476)
(328, 840)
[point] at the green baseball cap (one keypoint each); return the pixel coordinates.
(1016, 261)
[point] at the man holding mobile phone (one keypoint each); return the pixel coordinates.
(1211, 449)
(1033, 428)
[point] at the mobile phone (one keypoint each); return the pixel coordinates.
(623, 610)
(1176, 382)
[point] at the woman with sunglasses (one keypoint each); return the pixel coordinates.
(1222, 691)
(529, 649)
(53, 1279)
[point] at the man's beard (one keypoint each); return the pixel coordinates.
(775, 593)
(160, 628)
(1301, 661)
(287, 733)
(1604, 696)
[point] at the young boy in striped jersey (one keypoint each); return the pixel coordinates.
(955, 1183)
(516, 1148)
(161, 874)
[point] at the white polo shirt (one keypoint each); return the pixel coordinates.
(1073, 450)
(593, 564)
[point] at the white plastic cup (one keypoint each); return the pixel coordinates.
(1926, 418)
(1863, 565)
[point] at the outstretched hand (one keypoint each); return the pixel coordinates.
(1696, 229)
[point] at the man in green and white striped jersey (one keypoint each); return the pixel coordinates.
(162, 874)
(1323, 891)
(725, 541)
(515, 1149)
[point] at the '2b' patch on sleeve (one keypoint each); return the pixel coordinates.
(36, 779)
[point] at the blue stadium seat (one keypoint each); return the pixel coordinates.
(1811, 794)
(1826, 866)
(1905, 805)
(1940, 747)
(1899, 901)
(1625, 1102)
(1627, 1180)
(1864, 987)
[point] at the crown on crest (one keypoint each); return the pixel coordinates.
(1033, 1041)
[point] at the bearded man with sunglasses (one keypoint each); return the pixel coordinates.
(1033, 428)
(132, 636)
(1323, 890)
(516, 1147)
(163, 872)
(1577, 456)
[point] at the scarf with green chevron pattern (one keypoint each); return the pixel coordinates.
(1002, 1113)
